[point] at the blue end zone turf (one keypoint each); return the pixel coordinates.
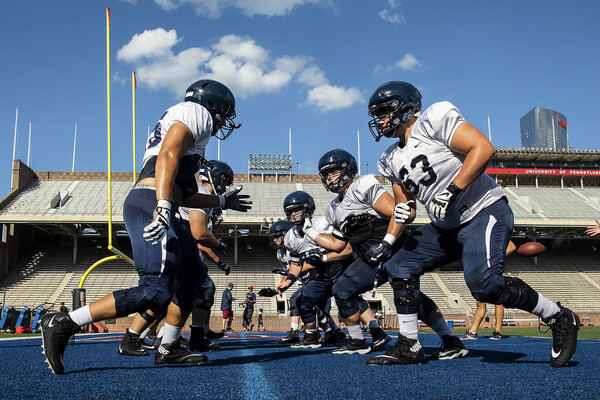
(253, 366)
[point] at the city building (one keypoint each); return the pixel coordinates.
(543, 128)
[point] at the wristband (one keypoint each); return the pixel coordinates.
(221, 201)
(452, 188)
(166, 204)
(391, 239)
(291, 277)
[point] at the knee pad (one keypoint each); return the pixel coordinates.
(204, 304)
(347, 308)
(362, 304)
(407, 294)
(139, 299)
(515, 294)
(149, 318)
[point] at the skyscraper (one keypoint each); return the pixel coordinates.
(544, 128)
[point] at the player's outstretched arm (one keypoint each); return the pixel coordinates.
(593, 230)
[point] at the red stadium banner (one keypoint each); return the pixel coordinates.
(543, 171)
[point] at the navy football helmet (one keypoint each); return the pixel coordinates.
(399, 101)
(279, 229)
(220, 175)
(298, 201)
(220, 103)
(337, 159)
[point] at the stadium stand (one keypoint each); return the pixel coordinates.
(59, 217)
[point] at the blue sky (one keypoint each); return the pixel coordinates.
(308, 64)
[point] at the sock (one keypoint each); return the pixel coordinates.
(408, 325)
(441, 328)
(295, 326)
(170, 334)
(133, 332)
(144, 334)
(333, 325)
(82, 316)
(311, 331)
(326, 328)
(373, 324)
(160, 333)
(355, 332)
(545, 308)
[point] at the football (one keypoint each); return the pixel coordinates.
(531, 249)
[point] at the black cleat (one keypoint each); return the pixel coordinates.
(202, 344)
(496, 336)
(310, 340)
(131, 345)
(292, 337)
(332, 337)
(564, 325)
(214, 335)
(452, 348)
(56, 329)
(353, 346)
(380, 339)
(405, 351)
(174, 353)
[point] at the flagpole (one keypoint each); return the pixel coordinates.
(133, 87)
(29, 143)
(358, 139)
(74, 144)
(14, 147)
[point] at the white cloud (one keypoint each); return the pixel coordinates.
(407, 62)
(214, 8)
(239, 62)
(391, 14)
(327, 97)
(149, 44)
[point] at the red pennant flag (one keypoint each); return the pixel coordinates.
(134, 81)
(108, 14)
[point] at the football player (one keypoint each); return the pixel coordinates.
(440, 160)
(215, 177)
(362, 214)
(305, 254)
(333, 334)
(174, 153)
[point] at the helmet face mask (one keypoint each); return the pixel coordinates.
(277, 231)
(337, 167)
(220, 176)
(392, 105)
(220, 103)
(298, 206)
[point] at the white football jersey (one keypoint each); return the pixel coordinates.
(426, 165)
(360, 198)
(283, 256)
(194, 116)
(298, 245)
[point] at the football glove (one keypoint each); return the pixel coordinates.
(222, 247)
(155, 230)
(308, 229)
(224, 266)
(382, 251)
(267, 292)
(235, 201)
(315, 255)
(402, 212)
(443, 200)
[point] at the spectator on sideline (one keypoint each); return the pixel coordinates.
(250, 300)
(481, 312)
(226, 301)
(479, 315)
